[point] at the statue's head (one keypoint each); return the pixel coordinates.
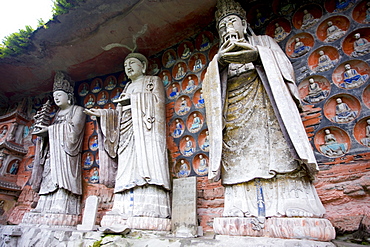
(135, 65)
(231, 20)
(63, 89)
(61, 99)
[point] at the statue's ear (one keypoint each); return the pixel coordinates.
(144, 67)
(244, 24)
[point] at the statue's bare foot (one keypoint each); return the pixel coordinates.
(55, 211)
(114, 211)
(148, 214)
(297, 212)
(235, 212)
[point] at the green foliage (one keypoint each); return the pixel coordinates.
(97, 243)
(63, 6)
(16, 43)
(41, 23)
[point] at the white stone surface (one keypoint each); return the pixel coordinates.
(49, 237)
(89, 216)
(184, 207)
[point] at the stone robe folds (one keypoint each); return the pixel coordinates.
(62, 169)
(136, 137)
(256, 133)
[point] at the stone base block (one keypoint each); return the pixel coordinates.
(286, 228)
(143, 223)
(87, 228)
(226, 241)
(50, 219)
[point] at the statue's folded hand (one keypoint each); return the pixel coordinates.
(241, 56)
(237, 52)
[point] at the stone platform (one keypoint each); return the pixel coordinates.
(286, 228)
(50, 219)
(113, 221)
(36, 236)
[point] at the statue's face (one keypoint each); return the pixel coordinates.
(231, 24)
(60, 98)
(133, 68)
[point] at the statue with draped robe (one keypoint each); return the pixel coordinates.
(134, 135)
(56, 175)
(258, 145)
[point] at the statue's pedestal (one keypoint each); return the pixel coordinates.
(143, 223)
(285, 228)
(50, 219)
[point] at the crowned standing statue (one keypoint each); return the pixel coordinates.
(56, 174)
(258, 145)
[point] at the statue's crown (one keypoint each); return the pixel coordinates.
(62, 82)
(229, 7)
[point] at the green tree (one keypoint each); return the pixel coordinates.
(16, 43)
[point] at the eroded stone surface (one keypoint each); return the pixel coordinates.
(54, 238)
(287, 228)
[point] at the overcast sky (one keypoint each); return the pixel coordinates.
(16, 14)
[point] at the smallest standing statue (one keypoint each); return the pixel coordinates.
(57, 170)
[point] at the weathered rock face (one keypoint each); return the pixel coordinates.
(74, 41)
(344, 190)
(210, 202)
(342, 183)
